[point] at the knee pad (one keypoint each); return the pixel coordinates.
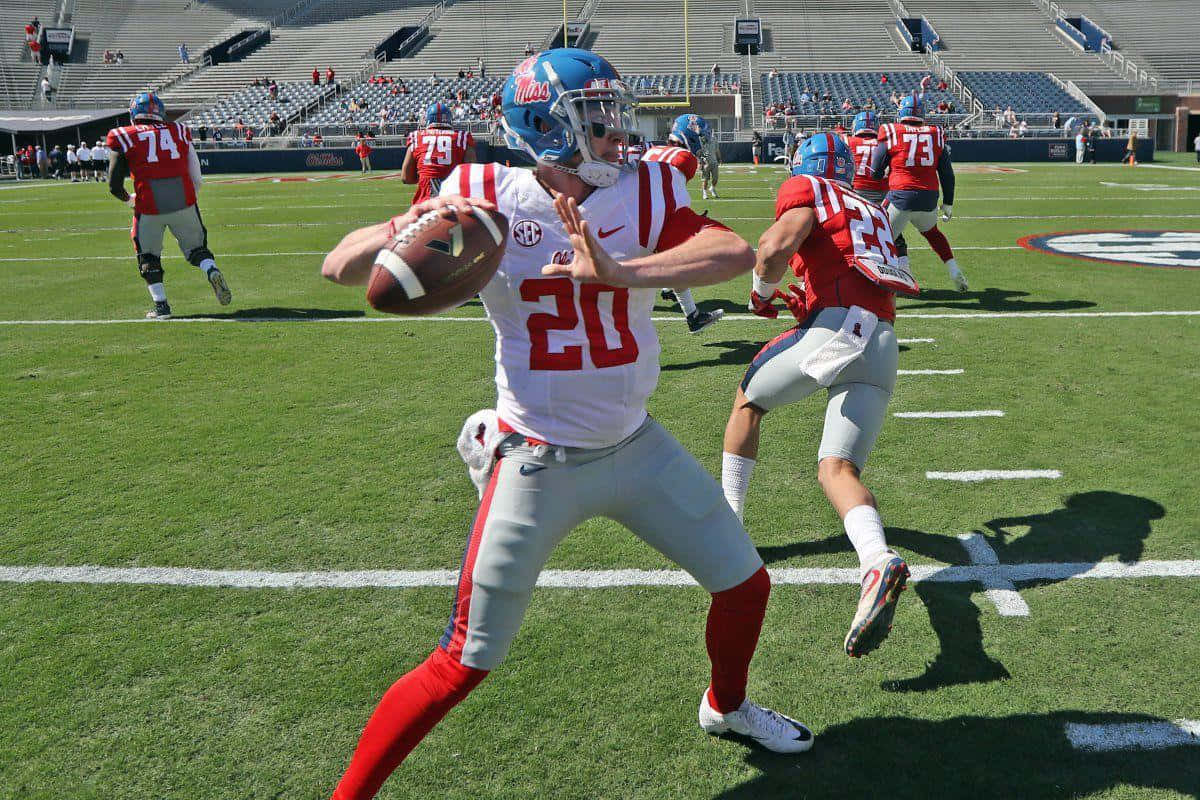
(151, 268)
(199, 254)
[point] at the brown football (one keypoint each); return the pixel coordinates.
(437, 262)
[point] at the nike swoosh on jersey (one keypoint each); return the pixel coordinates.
(603, 234)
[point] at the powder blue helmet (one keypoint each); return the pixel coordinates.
(691, 131)
(554, 102)
(912, 108)
(825, 155)
(146, 105)
(437, 114)
(865, 122)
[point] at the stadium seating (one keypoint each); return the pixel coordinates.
(833, 35)
(253, 106)
(646, 36)
(857, 86)
(1149, 33)
(18, 71)
(1026, 92)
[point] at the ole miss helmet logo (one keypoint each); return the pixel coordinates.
(527, 233)
(531, 91)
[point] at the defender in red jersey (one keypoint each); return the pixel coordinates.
(434, 151)
(840, 244)
(166, 175)
(918, 159)
(685, 143)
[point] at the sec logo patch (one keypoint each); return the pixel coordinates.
(1179, 249)
(527, 233)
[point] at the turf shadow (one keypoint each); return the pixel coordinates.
(277, 312)
(990, 299)
(732, 352)
(1090, 527)
(1023, 755)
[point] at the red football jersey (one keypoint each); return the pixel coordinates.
(157, 153)
(913, 152)
(863, 148)
(437, 151)
(678, 157)
(848, 227)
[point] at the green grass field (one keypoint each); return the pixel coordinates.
(303, 444)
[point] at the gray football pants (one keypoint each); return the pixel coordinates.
(649, 483)
(858, 397)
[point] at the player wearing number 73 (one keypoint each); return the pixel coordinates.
(591, 240)
(166, 178)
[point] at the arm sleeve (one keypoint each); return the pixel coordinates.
(946, 176)
(879, 161)
(194, 168)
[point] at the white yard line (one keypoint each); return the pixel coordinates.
(975, 475)
(1001, 591)
(674, 318)
(578, 579)
(948, 414)
(916, 341)
(1133, 735)
(929, 372)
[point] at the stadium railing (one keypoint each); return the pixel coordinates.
(1116, 61)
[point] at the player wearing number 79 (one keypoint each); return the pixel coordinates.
(590, 241)
(166, 178)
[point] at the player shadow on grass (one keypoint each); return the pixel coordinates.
(1023, 755)
(990, 299)
(1090, 527)
(276, 312)
(740, 353)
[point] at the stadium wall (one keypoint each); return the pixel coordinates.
(392, 158)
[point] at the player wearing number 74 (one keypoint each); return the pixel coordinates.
(166, 178)
(590, 241)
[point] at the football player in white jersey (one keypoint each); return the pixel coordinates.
(576, 358)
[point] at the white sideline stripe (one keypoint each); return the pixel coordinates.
(915, 341)
(947, 414)
(578, 579)
(1133, 735)
(971, 476)
(674, 318)
(1002, 592)
(927, 371)
(1167, 166)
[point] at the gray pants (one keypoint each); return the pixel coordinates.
(649, 483)
(185, 224)
(858, 397)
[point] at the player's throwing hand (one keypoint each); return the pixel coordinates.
(591, 262)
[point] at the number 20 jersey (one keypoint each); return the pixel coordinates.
(157, 154)
(575, 362)
(848, 227)
(913, 154)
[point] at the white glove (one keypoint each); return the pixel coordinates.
(477, 445)
(947, 212)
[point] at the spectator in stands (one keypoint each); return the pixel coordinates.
(950, 109)
(529, 49)
(461, 74)
(276, 124)
(942, 85)
(273, 91)
(318, 140)
(36, 23)
(1023, 129)
(329, 76)
(826, 97)
(109, 57)
(183, 53)
(847, 104)
(401, 86)
(433, 78)
(883, 79)
(218, 137)
(120, 57)
(1012, 132)
(316, 77)
(943, 107)
(774, 72)
(249, 136)
(47, 89)
(926, 82)
(716, 70)
(480, 67)
(894, 99)
(202, 132)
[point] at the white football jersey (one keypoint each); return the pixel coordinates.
(575, 362)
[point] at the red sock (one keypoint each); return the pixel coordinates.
(407, 712)
(940, 244)
(734, 620)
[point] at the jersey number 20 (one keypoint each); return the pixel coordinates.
(566, 318)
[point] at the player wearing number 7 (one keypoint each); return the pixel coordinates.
(166, 177)
(591, 240)
(918, 157)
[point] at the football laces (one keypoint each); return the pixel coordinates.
(406, 235)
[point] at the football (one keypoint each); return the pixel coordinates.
(438, 262)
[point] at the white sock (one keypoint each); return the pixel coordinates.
(735, 480)
(684, 296)
(865, 529)
(158, 292)
(207, 264)
(952, 265)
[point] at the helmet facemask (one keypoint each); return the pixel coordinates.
(598, 111)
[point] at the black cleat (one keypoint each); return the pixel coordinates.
(161, 310)
(699, 320)
(668, 295)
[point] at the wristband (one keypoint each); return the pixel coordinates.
(762, 288)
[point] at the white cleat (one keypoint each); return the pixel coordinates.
(768, 728)
(960, 280)
(219, 287)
